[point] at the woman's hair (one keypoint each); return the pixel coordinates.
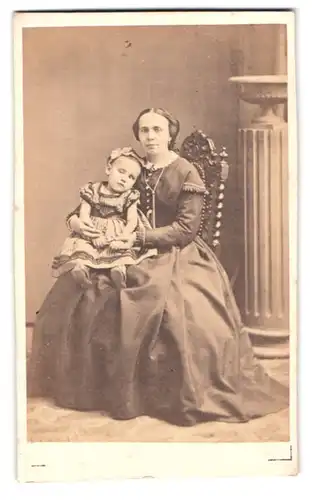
(174, 125)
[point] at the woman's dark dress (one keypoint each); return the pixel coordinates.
(170, 345)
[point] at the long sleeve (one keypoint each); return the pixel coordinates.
(185, 227)
(187, 217)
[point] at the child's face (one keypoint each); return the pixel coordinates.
(122, 174)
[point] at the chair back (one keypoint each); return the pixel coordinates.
(213, 169)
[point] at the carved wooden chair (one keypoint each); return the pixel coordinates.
(213, 168)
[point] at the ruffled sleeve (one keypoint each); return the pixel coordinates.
(88, 193)
(194, 183)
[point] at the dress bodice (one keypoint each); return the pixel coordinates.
(166, 184)
(104, 204)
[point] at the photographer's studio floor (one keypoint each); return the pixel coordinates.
(48, 423)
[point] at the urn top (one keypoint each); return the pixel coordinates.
(267, 91)
(258, 79)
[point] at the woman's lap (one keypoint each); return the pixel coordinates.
(170, 342)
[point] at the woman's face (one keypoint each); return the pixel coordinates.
(154, 133)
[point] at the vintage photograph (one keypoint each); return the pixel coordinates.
(155, 198)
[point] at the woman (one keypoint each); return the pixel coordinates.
(170, 345)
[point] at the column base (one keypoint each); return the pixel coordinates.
(268, 344)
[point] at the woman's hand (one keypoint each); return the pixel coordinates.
(126, 240)
(119, 245)
(83, 228)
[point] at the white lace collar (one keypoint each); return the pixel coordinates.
(150, 166)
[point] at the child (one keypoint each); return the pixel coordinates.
(112, 208)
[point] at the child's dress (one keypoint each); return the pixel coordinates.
(109, 215)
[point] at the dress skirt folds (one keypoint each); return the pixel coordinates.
(169, 346)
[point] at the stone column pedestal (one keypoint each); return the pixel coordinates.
(263, 163)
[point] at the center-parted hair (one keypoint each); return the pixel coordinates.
(174, 125)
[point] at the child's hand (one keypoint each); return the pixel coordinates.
(99, 242)
(87, 220)
(85, 229)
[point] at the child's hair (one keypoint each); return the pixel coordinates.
(174, 124)
(127, 152)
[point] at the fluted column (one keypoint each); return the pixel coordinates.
(263, 161)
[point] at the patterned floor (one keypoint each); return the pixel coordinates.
(47, 423)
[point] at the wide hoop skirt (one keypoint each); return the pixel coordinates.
(170, 345)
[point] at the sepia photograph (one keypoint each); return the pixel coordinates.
(155, 243)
